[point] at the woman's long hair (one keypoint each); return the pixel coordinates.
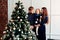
(44, 12)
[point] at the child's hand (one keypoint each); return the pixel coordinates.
(31, 27)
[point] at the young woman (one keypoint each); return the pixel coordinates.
(44, 20)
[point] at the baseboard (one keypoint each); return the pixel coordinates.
(53, 39)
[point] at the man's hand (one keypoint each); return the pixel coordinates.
(31, 27)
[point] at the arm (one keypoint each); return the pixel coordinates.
(46, 20)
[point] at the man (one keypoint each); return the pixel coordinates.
(31, 17)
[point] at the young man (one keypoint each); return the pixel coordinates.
(31, 17)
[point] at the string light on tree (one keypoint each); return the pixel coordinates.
(18, 11)
(20, 19)
(11, 20)
(27, 22)
(14, 28)
(20, 7)
(19, 29)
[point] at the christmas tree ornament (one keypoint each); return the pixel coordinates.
(7, 35)
(14, 28)
(13, 23)
(4, 32)
(6, 27)
(20, 19)
(19, 29)
(18, 11)
(7, 31)
(10, 30)
(20, 7)
(26, 16)
(10, 39)
(17, 36)
(29, 32)
(13, 34)
(24, 36)
(22, 32)
(27, 22)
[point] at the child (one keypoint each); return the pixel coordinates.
(38, 17)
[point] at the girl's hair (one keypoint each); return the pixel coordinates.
(37, 9)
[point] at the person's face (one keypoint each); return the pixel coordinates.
(31, 11)
(37, 11)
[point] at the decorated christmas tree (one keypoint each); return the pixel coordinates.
(18, 27)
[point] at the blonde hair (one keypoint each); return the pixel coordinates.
(37, 9)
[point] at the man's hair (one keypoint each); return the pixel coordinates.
(30, 8)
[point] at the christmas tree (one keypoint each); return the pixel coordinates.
(18, 27)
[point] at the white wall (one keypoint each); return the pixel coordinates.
(11, 5)
(53, 8)
(55, 19)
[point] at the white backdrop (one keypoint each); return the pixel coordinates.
(53, 8)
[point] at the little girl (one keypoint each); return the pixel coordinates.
(38, 17)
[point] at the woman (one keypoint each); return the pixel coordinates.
(44, 20)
